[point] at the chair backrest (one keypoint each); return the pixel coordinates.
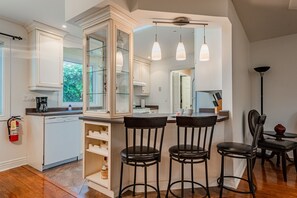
(253, 118)
(144, 133)
(258, 132)
(196, 132)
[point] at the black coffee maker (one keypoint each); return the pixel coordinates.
(41, 104)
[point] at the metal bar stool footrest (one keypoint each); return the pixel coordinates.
(232, 189)
(187, 181)
(139, 184)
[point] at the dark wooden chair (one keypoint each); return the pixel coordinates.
(144, 149)
(280, 147)
(194, 138)
(241, 151)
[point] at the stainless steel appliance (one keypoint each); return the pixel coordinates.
(41, 104)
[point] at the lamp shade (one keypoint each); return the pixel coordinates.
(180, 52)
(204, 53)
(156, 51)
(119, 61)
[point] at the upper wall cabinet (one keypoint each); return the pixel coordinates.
(141, 78)
(108, 59)
(46, 47)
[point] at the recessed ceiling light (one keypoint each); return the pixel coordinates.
(148, 57)
(64, 26)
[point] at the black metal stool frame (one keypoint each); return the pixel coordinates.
(192, 153)
(226, 149)
(141, 153)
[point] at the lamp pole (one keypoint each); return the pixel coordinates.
(261, 71)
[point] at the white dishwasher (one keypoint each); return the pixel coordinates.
(62, 140)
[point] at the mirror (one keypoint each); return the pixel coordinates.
(182, 87)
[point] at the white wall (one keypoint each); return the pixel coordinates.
(15, 154)
(208, 73)
(160, 78)
(279, 82)
(241, 89)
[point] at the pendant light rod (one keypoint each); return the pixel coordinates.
(204, 35)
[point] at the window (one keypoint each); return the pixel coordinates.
(72, 82)
(4, 78)
(72, 77)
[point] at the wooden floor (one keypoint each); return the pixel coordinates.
(65, 181)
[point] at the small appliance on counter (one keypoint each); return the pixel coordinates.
(41, 104)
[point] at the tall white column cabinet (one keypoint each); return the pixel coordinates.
(108, 91)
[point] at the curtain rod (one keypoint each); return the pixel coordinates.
(12, 36)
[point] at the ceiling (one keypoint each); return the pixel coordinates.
(265, 19)
(262, 19)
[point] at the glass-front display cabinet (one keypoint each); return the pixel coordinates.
(108, 55)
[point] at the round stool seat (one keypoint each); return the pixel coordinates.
(235, 148)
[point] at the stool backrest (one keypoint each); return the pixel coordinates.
(258, 131)
(144, 133)
(196, 132)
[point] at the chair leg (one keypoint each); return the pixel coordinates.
(206, 178)
(145, 182)
(278, 159)
(263, 155)
(182, 180)
(120, 191)
(192, 176)
(159, 196)
(250, 176)
(169, 181)
(295, 158)
(135, 168)
(222, 176)
(284, 166)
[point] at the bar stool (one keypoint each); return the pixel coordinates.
(144, 149)
(193, 147)
(241, 151)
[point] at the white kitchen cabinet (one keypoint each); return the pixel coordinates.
(46, 48)
(142, 76)
(108, 64)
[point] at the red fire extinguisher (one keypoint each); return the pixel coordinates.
(13, 125)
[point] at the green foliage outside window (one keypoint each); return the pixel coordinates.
(72, 82)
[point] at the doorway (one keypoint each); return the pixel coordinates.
(182, 82)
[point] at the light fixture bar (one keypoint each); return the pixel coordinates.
(181, 21)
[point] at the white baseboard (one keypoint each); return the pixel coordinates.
(239, 172)
(13, 163)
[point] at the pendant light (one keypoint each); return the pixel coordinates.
(204, 51)
(180, 50)
(119, 55)
(156, 50)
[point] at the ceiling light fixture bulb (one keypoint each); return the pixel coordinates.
(156, 50)
(180, 50)
(204, 51)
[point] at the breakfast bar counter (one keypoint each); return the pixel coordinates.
(104, 139)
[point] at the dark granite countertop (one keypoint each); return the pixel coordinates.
(55, 111)
(222, 116)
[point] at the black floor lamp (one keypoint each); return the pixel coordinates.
(262, 70)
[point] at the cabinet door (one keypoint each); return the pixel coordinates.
(137, 71)
(50, 53)
(145, 75)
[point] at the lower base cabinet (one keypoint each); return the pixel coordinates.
(103, 143)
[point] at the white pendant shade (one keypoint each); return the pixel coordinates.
(119, 61)
(180, 52)
(204, 53)
(156, 51)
